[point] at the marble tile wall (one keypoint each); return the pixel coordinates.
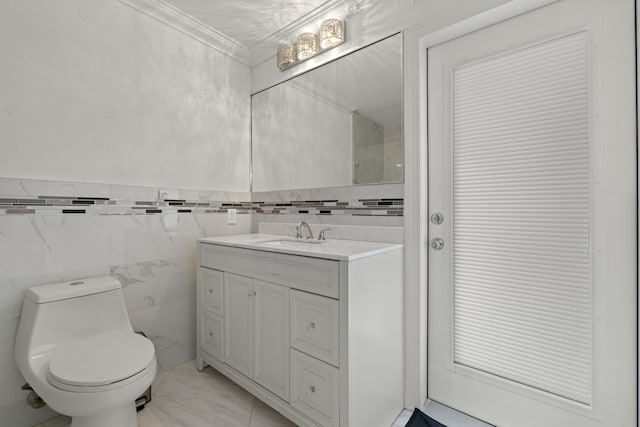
(145, 236)
(360, 205)
(335, 231)
(153, 255)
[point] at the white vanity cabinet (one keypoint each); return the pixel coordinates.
(316, 332)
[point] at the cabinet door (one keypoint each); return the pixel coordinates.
(271, 338)
(210, 288)
(238, 323)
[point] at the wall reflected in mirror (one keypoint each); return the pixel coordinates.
(336, 125)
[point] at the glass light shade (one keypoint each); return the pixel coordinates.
(331, 33)
(307, 46)
(286, 56)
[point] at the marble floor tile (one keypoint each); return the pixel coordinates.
(184, 397)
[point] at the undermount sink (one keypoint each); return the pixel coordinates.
(291, 242)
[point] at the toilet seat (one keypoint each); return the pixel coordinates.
(100, 362)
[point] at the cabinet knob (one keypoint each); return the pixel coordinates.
(312, 325)
(210, 291)
(312, 389)
(251, 293)
(210, 334)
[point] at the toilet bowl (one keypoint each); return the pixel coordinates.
(76, 348)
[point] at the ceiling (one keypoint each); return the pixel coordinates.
(247, 21)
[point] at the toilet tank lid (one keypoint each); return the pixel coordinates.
(71, 289)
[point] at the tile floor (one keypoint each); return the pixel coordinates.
(184, 397)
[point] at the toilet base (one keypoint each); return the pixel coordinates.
(121, 416)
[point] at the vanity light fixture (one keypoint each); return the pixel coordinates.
(310, 44)
(286, 56)
(307, 46)
(331, 33)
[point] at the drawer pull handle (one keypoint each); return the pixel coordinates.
(251, 293)
(313, 389)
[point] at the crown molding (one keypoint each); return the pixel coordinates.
(163, 12)
(264, 50)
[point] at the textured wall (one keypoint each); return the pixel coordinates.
(94, 91)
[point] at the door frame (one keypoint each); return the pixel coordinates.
(417, 39)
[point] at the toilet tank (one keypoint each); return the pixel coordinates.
(64, 312)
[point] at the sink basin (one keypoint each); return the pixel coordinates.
(292, 242)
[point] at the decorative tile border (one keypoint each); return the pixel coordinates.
(360, 207)
(41, 197)
(52, 205)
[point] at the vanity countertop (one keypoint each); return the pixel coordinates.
(337, 249)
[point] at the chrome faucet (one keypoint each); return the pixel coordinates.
(299, 227)
(321, 235)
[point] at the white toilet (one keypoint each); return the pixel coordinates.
(76, 348)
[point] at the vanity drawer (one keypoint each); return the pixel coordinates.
(211, 287)
(315, 326)
(211, 334)
(314, 275)
(315, 389)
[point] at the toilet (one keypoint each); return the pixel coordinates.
(76, 348)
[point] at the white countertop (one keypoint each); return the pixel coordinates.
(341, 250)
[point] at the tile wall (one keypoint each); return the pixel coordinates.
(362, 205)
(56, 231)
(146, 237)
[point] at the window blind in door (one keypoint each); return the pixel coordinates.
(521, 216)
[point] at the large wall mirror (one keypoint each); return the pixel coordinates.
(336, 125)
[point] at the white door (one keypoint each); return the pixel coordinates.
(271, 337)
(238, 323)
(532, 297)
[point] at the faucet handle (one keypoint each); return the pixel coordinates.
(321, 235)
